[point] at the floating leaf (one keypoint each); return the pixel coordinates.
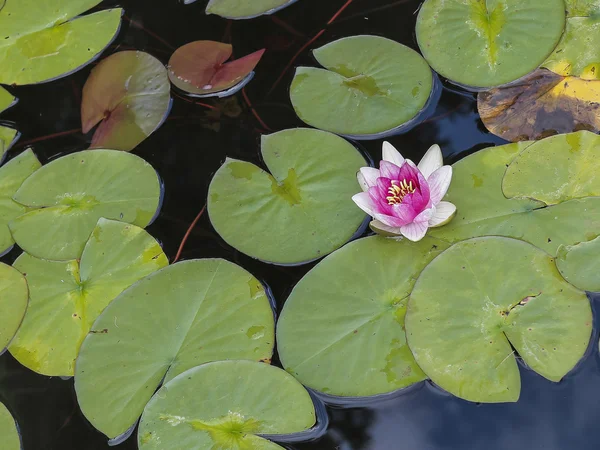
(12, 175)
(578, 264)
(8, 430)
(480, 297)
(200, 67)
(483, 210)
(6, 99)
(226, 404)
(582, 8)
(8, 136)
(73, 192)
(242, 9)
(540, 105)
(66, 297)
(302, 210)
(128, 93)
(13, 303)
(370, 85)
(557, 169)
(341, 331)
(43, 42)
(179, 317)
(488, 43)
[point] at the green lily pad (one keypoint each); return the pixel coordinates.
(228, 405)
(301, 211)
(8, 136)
(73, 192)
(13, 303)
(6, 99)
(483, 210)
(582, 8)
(579, 264)
(67, 297)
(556, 169)
(243, 9)
(8, 430)
(485, 43)
(479, 297)
(12, 175)
(182, 316)
(128, 93)
(341, 331)
(370, 85)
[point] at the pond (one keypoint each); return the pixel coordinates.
(191, 146)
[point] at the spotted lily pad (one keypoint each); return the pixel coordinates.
(71, 193)
(12, 175)
(243, 9)
(480, 297)
(484, 43)
(200, 67)
(13, 303)
(179, 317)
(128, 93)
(302, 210)
(369, 85)
(67, 297)
(8, 430)
(541, 104)
(579, 264)
(226, 404)
(42, 42)
(341, 331)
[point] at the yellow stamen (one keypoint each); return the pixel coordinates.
(398, 190)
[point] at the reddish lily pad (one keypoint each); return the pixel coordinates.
(200, 68)
(128, 94)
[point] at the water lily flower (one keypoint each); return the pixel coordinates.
(405, 199)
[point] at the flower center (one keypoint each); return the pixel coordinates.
(398, 190)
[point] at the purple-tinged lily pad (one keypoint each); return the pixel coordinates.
(200, 68)
(128, 94)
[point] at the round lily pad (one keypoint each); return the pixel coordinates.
(556, 169)
(243, 9)
(228, 405)
(369, 85)
(579, 264)
(341, 331)
(184, 315)
(12, 175)
(481, 296)
(13, 303)
(488, 43)
(67, 297)
(43, 43)
(128, 93)
(8, 430)
(302, 210)
(71, 193)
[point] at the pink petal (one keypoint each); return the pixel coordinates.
(381, 228)
(443, 212)
(390, 221)
(409, 173)
(414, 231)
(431, 161)
(367, 177)
(439, 182)
(363, 201)
(389, 153)
(390, 170)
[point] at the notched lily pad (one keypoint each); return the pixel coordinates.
(579, 264)
(226, 404)
(42, 43)
(128, 93)
(177, 318)
(481, 296)
(556, 169)
(8, 430)
(540, 105)
(302, 210)
(200, 68)
(67, 297)
(485, 43)
(341, 331)
(12, 175)
(243, 9)
(13, 303)
(370, 85)
(71, 193)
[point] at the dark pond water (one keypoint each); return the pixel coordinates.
(190, 147)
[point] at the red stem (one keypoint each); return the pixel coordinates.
(254, 112)
(49, 136)
(187, 234)
(286, 26)
(149, 32)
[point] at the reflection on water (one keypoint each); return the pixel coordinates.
(190, 147)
